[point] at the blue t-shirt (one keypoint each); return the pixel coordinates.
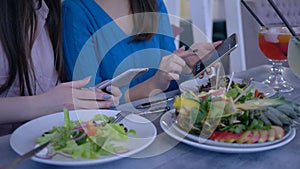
(95, 45)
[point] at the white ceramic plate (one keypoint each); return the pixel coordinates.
(24, 138)
(167, 124)
(194, 84)
(196, 138)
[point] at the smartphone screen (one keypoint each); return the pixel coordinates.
(222, 50)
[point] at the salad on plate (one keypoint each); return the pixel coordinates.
(253, 118)
(88, 140)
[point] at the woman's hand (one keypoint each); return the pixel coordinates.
(73, 95)
(114, 91)
(182, 61)
(201, 50)
(170, 68)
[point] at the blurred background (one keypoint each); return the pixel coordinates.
(217, 19)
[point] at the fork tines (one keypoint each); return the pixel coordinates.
(119, 117)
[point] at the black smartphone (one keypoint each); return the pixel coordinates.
(224, 49)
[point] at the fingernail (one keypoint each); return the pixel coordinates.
(106, 97)
(108, 89)
(195, 50)
(112, 106)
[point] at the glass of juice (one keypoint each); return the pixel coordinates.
(274, 42)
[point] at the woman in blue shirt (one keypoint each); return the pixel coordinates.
(104, 38)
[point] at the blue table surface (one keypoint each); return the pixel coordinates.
(184, 156)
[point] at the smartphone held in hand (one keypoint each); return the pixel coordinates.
(125, 77)
(224, 49)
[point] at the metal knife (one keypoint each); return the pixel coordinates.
(154, 111)
(149, 104)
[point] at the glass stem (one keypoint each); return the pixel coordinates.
(276, 80)
(277, 70)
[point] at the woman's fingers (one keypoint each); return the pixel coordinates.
(97, 94)
(93, 98)
(174, 76)
(187, 69)
(73, 95)
(185, 53)
(204, 48)
(115, 91)
(176, 58)
(180, 62)
(91, 94)
(198, 52)
(217, 43)
(182, 49)
(88, 104)
(172, 63)
(77, 83)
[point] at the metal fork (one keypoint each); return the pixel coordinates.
(120, 116)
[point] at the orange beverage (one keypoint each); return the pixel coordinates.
(273, 42)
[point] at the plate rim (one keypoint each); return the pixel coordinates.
(84, 162)
(224, 149)
(225, 144)
(270, 91)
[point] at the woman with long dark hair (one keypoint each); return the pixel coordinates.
(32, 67)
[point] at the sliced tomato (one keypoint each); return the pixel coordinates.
(215, 134)
(91, 129)
(221, 136)
(230, 137)
(250, 136)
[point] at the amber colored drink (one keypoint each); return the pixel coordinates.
(274, 43)
(272, 49)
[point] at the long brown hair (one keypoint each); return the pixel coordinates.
(17, 32)
(145, 25)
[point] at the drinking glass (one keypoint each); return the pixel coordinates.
(294, 55)
(273, 42)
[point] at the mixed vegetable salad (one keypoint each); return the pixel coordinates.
(253, 118)
(88, 140)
